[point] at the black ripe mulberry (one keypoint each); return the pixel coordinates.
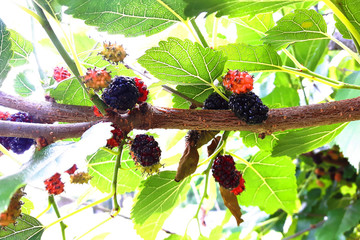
(146, 152)
(248, 107)
(18, 145)
(225, 173)
(216, 102)
(122, 93)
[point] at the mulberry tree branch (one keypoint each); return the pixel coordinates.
(147, 117)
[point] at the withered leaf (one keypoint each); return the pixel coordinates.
(231, 202)
(188, 162)
(205, 137)
(213, 145)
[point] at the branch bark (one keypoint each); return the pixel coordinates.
(147, 117)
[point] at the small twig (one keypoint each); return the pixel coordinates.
(194, 103)
(305, 230)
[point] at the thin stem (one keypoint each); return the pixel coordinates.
(7, 153)
(215, 30)
(303, 90)
(193, 102)
(307, 182)
(319, 224)
(63, 226)
(295, 61)
(343, 19)
(198, 32)
(81, 209)
(343, 46)
(45, 211)
(70, 62)
(109, 151)
(115, 177)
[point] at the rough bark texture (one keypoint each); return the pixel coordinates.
(147, 117)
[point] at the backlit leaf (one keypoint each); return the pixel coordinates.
(5, 51)
(21, 47)
(27, 227)
(70, 92)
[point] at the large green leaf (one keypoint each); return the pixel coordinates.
(339, 221)
(53, 7)
(351, 133)
(183, 63)
(5, 52)
(299, 26)
(310, 53)
(159, 195)
(71, 92)
(235, 8)
(23, 85)
(251, 29)
(306, 139)
(27, 228)
(282, 97)
(270, 183)
(101, 167)
(128, 17)
(350, 9)
(251, 58)
(197, 92)
(21, 47)
(56, 157)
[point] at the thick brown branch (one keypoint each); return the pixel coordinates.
(51, 132)
(147, 116)
(48, 112)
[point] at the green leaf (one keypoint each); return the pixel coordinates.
(22, 49)
(101, 167)
(339, 221)
(351, 133)
(282, 97)
(159, 195)
(306, 139)
(251, 58)
(302, 25)
(53, 7)
(70, 92)
(349, 9)
(235, 8)
(27, 227)
(251, 139)
(270, 183)
(22, 85)
(5, 52)
(196, 92)
(252, 29)
(28, 205)
(129, 17)
(311, 53)
(183, 63)
(56, 157)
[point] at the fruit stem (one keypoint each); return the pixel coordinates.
(70, 62)
(115, 178)
(198, 32)
(45, 211)
(343, 46)
(52, 202)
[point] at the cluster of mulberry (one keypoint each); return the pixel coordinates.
(17, 145)
(146, 153)
(238, 82)
(61, 74)
(122, 93)
(54, 185)
(14, 209)
(116, 138)
(113, 53)
(226, 175)
(215, 102)
(97, 79)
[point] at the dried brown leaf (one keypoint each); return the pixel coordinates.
(188, 162)
(231, 202)
(213, 145)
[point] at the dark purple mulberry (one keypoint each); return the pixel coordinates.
(122, 93)
(216, 102)
(225, 173)
(145, 150)
(248, 107)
